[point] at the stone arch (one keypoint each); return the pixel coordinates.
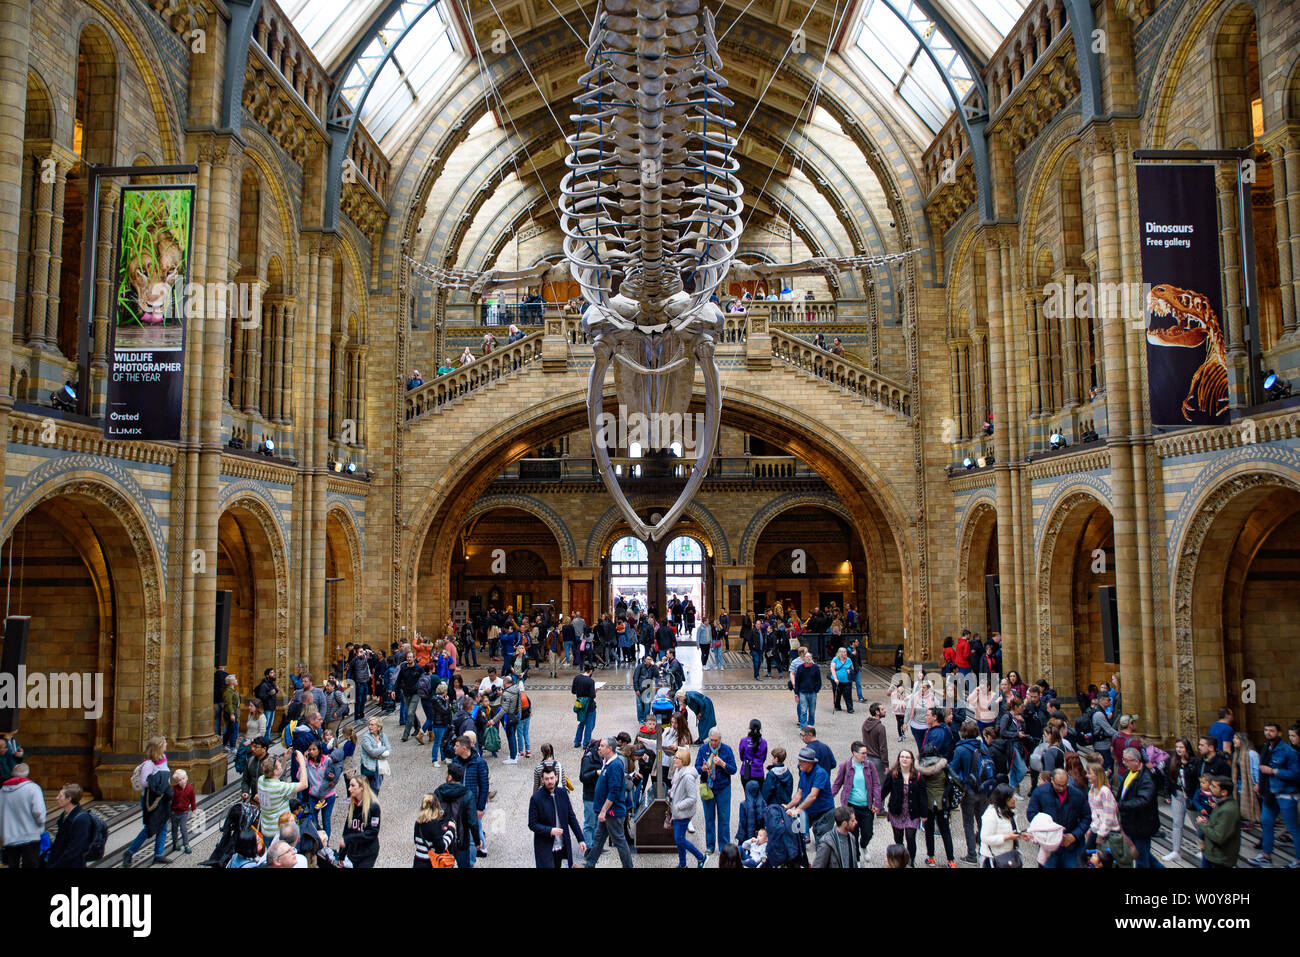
(120, 22)
(715, 539)
(1200, 579)
(1065, 521)
(347, 553)
(977, 532)
(131, 580)
(1186, 31)
(272, 176)
(537, 508)
(754, 530)
(265, 520)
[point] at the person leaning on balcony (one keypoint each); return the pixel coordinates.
(415, 381)
(447, 366)
(466, 357)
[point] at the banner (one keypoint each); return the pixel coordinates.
(1187, 365)
(147, 351)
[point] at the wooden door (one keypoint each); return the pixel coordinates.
(580, 600)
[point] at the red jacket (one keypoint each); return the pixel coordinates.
(961, 654)
(183, 799)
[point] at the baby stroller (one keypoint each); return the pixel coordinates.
(241, 815)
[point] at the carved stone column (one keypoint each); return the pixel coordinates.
(63, 163)
(1230, 250)
(1291, 161)
(289, 319)
(339, 374)
(109, 196)
(266, 375)
(275, 411)
(38, 284)
(954, 387)
(1072, 377)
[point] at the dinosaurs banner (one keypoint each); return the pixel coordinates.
(1187, 370)
(147, 315)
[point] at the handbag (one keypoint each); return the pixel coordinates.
(381, 767)
(706, 792)
(568, 785)
(1009, 858)
(579, 705)
(441, 859)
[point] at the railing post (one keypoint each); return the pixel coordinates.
(758, 340)
(555, 346)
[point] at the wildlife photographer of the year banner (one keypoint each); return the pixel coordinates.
(147, 349)
(1187, 368)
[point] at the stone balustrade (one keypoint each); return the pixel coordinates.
(498, 364)
(845, 373)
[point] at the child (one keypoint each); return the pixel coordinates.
(1202, 800)
(753, 853)
(1101, 858)
(751, 811)
(896, 856)
(183, 802)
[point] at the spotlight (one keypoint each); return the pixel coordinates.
(336, 465)
(352, 468)
(968, 463)
(267, 447)
(981, 461)
(1275, 387)
(1058, 441)
(64, 399)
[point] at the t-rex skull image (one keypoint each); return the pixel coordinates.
(1195, 326)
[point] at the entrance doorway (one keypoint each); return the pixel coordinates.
(684, 571)
(629, 575)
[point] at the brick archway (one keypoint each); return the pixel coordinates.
(110, 536)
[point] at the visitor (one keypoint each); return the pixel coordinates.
(415, 381)
(324, 771)
(375, 752)
(267, 694)
(458, 810)
(825, 757)
(1221, 827)
(1221, 731)
(919, 704)
(813, 800)
(906, 796)
(842, 680)
(1103, 810)
(183, 804)
(1139, 817)
(74, 830)
(551, 819)
(1065, 804)
(778, 783)
(900, 696)
(583, 689)
(434, 835)
(22, 821)
(965, 766)
(701, 706)
(703, 638)
(273, 794)
(939, 802)
(752, 753)
(807, 682)
(998, 831)
(611, 803)
(1279, 783)
(230, 713)
(152, 777)
(1245, 779)
(645, 680)
(716, 763)
(857, 782)
(1183, 782)
(683, 801)
(840, 848)
(360, 844)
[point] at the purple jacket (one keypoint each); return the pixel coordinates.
(843, 785)
(751, 758)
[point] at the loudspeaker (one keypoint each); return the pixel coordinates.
(224, 599)
(13, 657)
(1108, 599)
(993, 601)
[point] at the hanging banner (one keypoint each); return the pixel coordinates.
(147, 351)
(1187, 363)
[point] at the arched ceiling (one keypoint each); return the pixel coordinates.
(520, 60)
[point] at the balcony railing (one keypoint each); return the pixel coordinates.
(446, 389)
(726, 468)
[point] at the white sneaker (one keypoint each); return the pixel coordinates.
(1171, 857)
(510, 761)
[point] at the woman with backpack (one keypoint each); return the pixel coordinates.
(440, 708)
(1011, 732)
(155, 800)
(753, 752)
(361, 827)
(940, 799)
(905, 792)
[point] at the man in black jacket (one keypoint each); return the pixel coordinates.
(75, 829)
(1139, 817)
(674, 675)
(407, 686)
(267, 694)
(456, 807)
(666, 637)
(359, 675)
(550, 818)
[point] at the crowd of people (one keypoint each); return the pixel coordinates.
(972, 742)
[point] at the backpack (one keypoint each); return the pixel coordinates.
(241, 758)
(424, 687)
(98, 838)
(287, 737)
(1083, 725)
(783, 844)
(524, 703)
(984, 774)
